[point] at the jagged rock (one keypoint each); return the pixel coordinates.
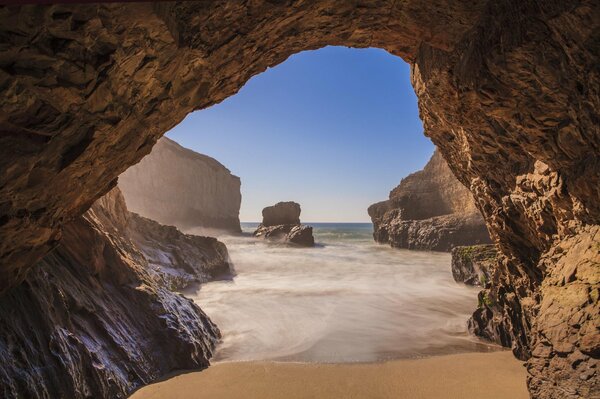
(92, 321)
(429, 210)
(175, 258)
(281, 213)
(508, 91)
(473, 265)
(281, 222)
(292, 233)
(177, 186)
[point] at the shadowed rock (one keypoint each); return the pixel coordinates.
(94, 321)
(473, 265)
(281, 213)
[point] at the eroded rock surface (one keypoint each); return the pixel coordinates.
(429, 210)
(177, 186)
(92, 321)
(508, 91)
(473, 264)
(281, 222)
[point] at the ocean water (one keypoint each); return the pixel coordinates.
(346, 300)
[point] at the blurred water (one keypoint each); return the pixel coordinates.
(346, 300)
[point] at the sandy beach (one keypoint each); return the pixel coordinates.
(471, 375)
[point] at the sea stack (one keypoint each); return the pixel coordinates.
(281, 222)
(429, 210)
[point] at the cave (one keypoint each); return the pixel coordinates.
(508, 90)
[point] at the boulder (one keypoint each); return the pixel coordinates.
(473, 265)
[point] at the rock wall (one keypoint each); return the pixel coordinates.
(177, 186)
(429, 210)
(93, 321)
(508, 90)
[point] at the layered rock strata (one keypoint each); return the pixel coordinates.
(508, 91)
(94, 321)
(281, 222)
(429, 210)
(177, 186)
(473, 265)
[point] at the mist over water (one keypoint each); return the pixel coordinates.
(347, 300)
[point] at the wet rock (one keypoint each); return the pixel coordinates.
(178, 259)
(177, 186)
(93, 322)
(473, 265)
(429, 210)
(281, 222)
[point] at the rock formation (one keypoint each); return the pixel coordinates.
(177, 186)
(508, 90)
(474, 265)
(178, 259)
(429, 210)
(92, 321)
(281, 222)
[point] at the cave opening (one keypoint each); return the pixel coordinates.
(508, 91)
(334, 130)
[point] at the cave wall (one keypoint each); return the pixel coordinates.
(92, 321)
(508, 90)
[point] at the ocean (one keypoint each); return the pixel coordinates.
(348, 299)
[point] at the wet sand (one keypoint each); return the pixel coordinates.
(471, 375)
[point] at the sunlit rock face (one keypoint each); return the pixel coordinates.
(508, 91)
(177, 186)
(429, 210)
(93, 320)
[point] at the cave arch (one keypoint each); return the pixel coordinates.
(508, 90)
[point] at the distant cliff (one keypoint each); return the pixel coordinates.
(177, 186)
(429, 210)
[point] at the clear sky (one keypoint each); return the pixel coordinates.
(333, 129)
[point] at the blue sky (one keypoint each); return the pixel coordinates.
(333, 129)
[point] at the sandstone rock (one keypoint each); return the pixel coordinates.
(177, 186)
(429, 210)
(473, 265)
(281, 222)
(508, 91)
(93, 322)
(281, 213)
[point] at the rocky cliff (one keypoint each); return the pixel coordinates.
(429, 210)
(177, 186)
(94, 321)
(281, 222)
(508, 90)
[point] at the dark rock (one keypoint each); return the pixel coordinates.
(301, 235)
(177, 186)
(508, 91)
(178, 259)
(281, 222)
(473, 265)
(429, 210)
(93, 322)
(281, 213)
